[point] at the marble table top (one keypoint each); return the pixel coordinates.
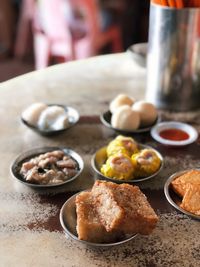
(30, 231)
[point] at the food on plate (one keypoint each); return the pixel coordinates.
(126, 160)
(125, 118)
(191, 199)
(54, 118)
(119, 101)
(179, 184)
(110, 210)
(118, 166)
(187, 186)
(123, 207)
(123, 144)
(32, 113)
(46, 117)
(145, 162)
(130, 115)
(89, 227)
(147, 112)
(49, 168)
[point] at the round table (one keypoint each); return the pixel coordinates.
(30, 231)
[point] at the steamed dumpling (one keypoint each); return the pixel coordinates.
(122, 144)
(118, 166)
(147, 111)
(120, 100)
(53, 118)
(32, 113)
(146, 162)
(125, 118)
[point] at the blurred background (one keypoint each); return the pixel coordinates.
(38, 33)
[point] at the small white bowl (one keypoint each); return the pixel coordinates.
(191, 131)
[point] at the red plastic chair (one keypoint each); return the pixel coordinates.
(55, 31)
(59, 34)
(95, 39)
(45, 20)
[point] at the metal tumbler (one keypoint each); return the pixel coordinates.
(173, 62)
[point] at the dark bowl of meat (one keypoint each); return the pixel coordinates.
(47, 167)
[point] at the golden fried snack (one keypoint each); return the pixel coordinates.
(89, 227)
(119, 167)
(179, 185)
(122, 144)
(146, 162)
(123, 207)
(191, 199)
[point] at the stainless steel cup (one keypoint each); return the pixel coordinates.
(173, 63)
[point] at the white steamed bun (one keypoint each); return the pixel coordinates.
(147, 111)
(120, 100)
(32, 113)
(125, 118)
(53, 118)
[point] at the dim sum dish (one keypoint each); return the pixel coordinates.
(124, 160)
(106, 120)
(49, 119)
(86, 217)
(126, 115)
(47, 167)
(182, 191)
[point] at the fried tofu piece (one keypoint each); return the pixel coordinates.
(179, 185)
(123, 207)
(89, 227)
(191, 199)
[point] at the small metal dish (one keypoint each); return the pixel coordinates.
(100, 157)
(191, 131)
(68, 220)
(16, 165)
(72, 114)
(139, 53)
(106, 120)
(173, 198)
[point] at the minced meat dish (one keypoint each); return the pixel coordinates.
(49, 168)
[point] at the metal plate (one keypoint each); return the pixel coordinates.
(68, 220)
(139, 53)
(100, 158)
(16, 165)
(106, 120)
(173, 198)
(73, 117)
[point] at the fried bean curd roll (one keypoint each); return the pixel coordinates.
(145, 162)
(118, 166)
(122, 144)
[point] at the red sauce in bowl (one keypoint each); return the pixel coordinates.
(174, 134)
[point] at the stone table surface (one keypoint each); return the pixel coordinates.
(30, 231)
